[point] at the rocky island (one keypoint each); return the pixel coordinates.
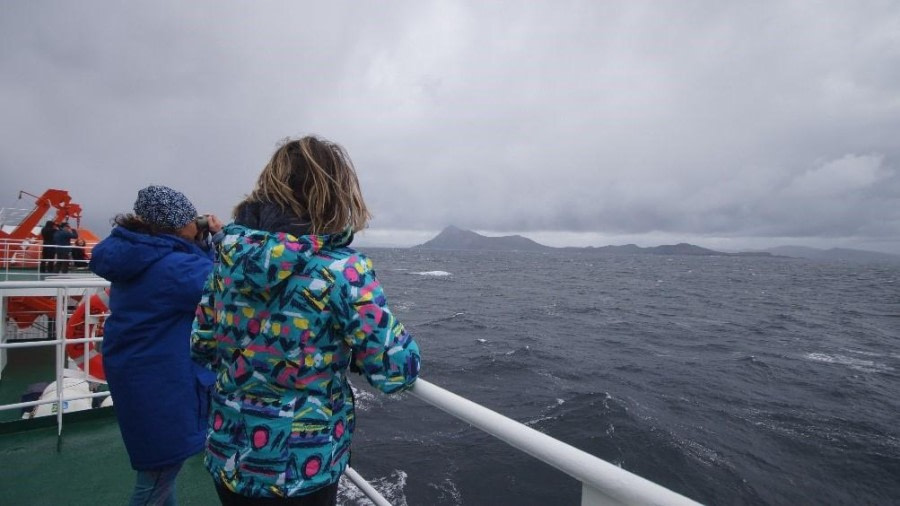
(455, 238)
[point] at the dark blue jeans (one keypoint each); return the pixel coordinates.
(155, 488)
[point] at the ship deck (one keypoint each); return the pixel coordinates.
(88, 465)
(26, 366)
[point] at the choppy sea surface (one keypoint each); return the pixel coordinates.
(731, 380)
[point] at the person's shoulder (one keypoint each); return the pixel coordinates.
(185, 251)
(343, 254)
(351, 266)
(183, 263)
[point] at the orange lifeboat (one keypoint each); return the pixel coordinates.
(76, 329)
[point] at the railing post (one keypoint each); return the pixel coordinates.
(85, 357)
(6, 259)
(3, 337)
(62, 295)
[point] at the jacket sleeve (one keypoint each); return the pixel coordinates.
(203, 338)
(186, 275)
(383, 350)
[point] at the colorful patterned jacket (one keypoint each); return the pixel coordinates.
(280, 320)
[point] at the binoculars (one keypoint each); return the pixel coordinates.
(202, 225)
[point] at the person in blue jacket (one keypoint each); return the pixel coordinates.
(157, 265)
(62, 241)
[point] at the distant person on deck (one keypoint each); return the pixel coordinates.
(287, 313)
(48, 252)
(62, 243)
(79, 254)
(157, 261)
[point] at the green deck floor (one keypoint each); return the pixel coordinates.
(24, 367)
(88, 467)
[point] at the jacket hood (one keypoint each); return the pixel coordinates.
(257, 262)
(125, 254)
(270, 217)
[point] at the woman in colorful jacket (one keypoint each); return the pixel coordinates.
(157, 270)
(290, 308)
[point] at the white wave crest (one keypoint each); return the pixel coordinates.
(436, 274)
(853, 363)
(363, 399)
(447, 490)
(865, 353)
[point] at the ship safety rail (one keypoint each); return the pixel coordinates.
(602, 482)
(62, 290)
(21, 259)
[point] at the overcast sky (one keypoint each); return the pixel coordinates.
(724, 124)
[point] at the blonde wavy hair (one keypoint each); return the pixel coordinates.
(315, 179)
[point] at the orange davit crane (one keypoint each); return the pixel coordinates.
(65, 210)
(24, 310)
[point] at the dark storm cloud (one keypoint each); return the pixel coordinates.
(693, 119)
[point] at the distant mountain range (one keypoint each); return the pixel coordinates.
(834, 254)
(454, 238)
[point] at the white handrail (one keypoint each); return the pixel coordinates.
(29, 404)
(80, 282)
(365, 487)
(602, 481)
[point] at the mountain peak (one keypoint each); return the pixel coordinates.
(455, 238)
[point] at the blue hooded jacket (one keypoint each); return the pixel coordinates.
(160, 395)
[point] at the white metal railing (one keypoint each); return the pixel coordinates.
(61, 290)
(365, 487)
(18, 253)
(602, 482)
(23, 257)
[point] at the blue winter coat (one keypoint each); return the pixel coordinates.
(160, 395)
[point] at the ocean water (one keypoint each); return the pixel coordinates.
(729, 380)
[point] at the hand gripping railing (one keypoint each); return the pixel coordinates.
(602, 482)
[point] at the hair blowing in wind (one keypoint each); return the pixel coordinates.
(316, 180)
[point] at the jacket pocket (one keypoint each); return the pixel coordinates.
(204, 380)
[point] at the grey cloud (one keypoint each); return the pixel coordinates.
(760, 119)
